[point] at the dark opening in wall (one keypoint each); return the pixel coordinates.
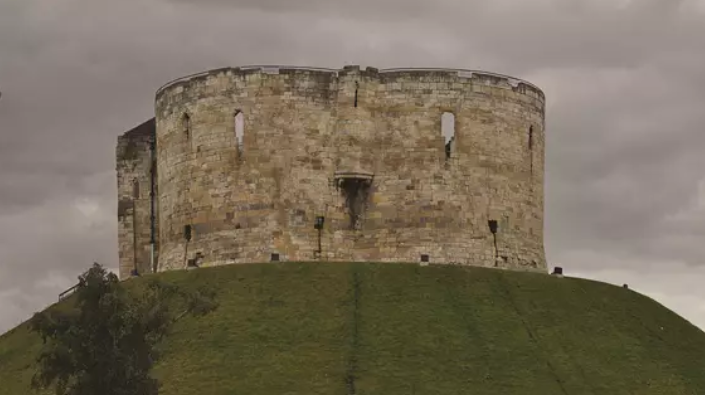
(356, 192)
(424, 258)
(198, 259)
(493, 229)
(531, 150)
(356, 88)
(136, 189)
(186, 125)
(275, 257)
(448, 132)
(187, 232)
(239, 130)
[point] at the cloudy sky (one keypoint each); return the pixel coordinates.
(625, 193)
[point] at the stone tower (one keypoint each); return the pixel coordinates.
(261, 163)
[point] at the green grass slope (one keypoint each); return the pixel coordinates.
(292, 328)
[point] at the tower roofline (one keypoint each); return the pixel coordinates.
(275, 69)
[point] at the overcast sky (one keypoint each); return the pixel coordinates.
(625, 183)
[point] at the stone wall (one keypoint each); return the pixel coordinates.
(134, 166)
(363, 149)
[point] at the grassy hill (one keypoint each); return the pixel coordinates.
(291, 328)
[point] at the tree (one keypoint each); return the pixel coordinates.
(106, 342)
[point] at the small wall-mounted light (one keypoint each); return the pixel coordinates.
(187, 232)
(493, 226)
(274, 257)
(319, 222)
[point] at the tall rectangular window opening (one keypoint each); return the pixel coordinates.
(448, 131)
(531, 137)
(239, 130)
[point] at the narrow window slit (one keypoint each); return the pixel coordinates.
(356, 88)
(531, 150)
(186, 125)
(239, 130)
(448, 132)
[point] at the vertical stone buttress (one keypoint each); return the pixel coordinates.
(137, 209)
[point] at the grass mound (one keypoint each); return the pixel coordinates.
(306, 328)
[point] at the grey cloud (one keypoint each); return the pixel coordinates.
(636, 160)
(623, 83)
(517, 36)
(368, 10)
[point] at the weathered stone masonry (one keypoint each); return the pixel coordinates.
(135, 189)
(362, 149)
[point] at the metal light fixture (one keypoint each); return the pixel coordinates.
(493, 226)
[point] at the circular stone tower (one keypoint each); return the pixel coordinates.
(263, 163)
